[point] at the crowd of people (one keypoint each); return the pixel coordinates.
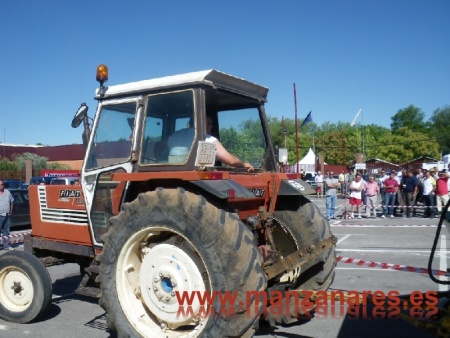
(394, 194)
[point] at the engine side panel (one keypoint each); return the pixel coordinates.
(58, 212)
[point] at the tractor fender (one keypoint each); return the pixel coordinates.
(295, 187)
(220, 188)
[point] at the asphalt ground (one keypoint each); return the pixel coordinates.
(396, 241)
(403, 241)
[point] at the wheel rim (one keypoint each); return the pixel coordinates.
(16, 289)
(154, 264)
(286, 244)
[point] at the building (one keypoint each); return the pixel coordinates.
(375, 165)
(421, 162)
(71, 155)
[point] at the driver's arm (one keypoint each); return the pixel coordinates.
(229, 159)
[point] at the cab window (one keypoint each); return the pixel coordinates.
(169, 129)
(112, 136)
(241, 133)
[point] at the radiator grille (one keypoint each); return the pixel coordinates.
(68, 216)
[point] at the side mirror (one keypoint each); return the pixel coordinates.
(282, 155)
(79, 115)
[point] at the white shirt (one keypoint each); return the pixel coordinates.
(357, 185)
(318, 179)
(428, 185)
(381, 180)
(210, 139)
(6, 199)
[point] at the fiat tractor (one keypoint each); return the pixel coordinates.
(158, 217)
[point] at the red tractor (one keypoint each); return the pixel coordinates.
(158, 216)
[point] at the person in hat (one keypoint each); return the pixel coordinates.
(441, 190)
(433, 171)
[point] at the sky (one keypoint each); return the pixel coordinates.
(342, 55)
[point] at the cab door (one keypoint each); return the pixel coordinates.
(111, 149)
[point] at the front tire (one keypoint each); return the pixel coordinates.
(25, 287)
(170, 241)
(302, 225)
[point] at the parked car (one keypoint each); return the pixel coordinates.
(36, 180)
(14, 184)
(21, 209)
(65, 180)
(309, 178)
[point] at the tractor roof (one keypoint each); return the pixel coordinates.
(211, 78)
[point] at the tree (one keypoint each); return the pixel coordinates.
(440, 122)
(411, 117)
(6, 164)
(246, 144)
(406, 145)
(39, 162)
(304, 137)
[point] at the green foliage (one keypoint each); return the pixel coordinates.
(56, 166)
(440, 122)
(39, 162)
(339, 142)
(411, 117)
(6, 164)
(247, 144)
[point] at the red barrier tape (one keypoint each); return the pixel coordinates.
(16, 236)
(389, 266)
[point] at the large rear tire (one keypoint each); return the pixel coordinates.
(169, 241)
(25, 287)
(303, 224)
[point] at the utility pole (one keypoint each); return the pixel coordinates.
(296, 130)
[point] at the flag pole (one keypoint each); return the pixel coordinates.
(296, 129)
(363, 132)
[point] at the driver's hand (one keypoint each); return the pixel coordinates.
(249, 167)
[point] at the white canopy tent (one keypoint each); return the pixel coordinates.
(306, 164)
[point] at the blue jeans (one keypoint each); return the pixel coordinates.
(330, 204)
(430, 210)
(5, 224)
(389, 200)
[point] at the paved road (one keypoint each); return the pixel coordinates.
(399, 241)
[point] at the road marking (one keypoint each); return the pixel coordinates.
(368, 269)
(443, 262)
(343, 239)
(389, 250)
(383, 225)
(4, 328)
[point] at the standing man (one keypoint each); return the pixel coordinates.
(331, 185)
(410, 187)
(381, 180)
(429, 188)
(6, 208)
(355, 195)
(398, 196)
(349, 178)
(391, 186)
(342, 183)
(441, 191)
(372, 191)
(319, 183)
(419, 176)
